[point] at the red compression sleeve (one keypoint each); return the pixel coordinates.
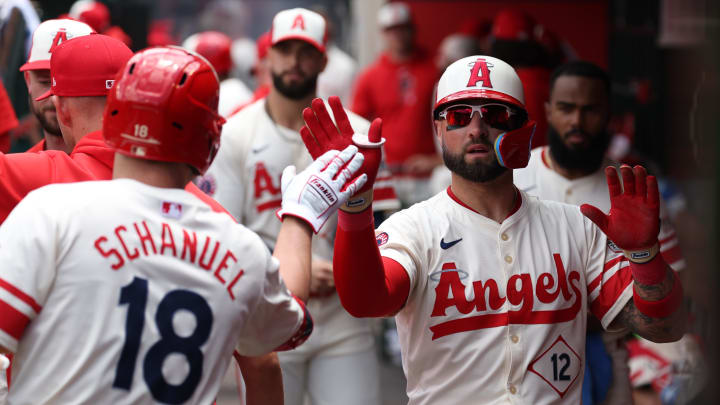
(368, 285)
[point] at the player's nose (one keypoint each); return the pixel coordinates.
(477, 127)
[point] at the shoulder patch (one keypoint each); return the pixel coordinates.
(382, 238)
(207, 184)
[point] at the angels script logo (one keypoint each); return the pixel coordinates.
(558, 288)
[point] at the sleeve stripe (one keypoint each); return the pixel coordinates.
(608, 266)
(20, 295)
(385, 193)
(668, 238)
(12, 321)
(611, 290)
(672, 255)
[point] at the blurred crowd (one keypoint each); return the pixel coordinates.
(399, 86)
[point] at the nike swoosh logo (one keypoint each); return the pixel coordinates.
(448, 245)
(260, 148)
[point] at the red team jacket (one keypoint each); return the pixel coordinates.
(400, 93)
(91, 159)
(8, 120)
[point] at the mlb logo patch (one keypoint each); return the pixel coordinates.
(109, 84)
(171, 209)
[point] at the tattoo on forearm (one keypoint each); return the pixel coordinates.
(646, 326)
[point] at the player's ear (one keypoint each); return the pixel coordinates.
(61, 110)
(437, 126)
(324, 62)
(547, 110)
(26, 75)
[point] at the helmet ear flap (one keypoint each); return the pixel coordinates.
(512, 148)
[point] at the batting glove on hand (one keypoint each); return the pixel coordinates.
(633, 223)
(318, 191)
(320, 134)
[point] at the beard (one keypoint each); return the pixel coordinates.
(295, 91)
(477, 172)
(49, 125)
(585, 158)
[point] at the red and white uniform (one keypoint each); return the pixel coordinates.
(245, 179)
(502, 307)
(140, 307)
(540, 180)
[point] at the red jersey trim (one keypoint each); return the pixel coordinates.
(269, 205)
(667, 239)
(611, 290)
(609, 265)
(20, 295)
(303, 332)
(543, 158)
(672, 255)
(384, 194)
(516, 207)
(13, 322)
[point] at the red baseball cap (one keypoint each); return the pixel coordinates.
(92, 13)
(86, 66)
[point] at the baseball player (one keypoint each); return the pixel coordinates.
(338, 364)
(215, 47)
(83, 68)
(569, 170)
(36, 70)
(83, 71)
(147, 305)
(490, 286)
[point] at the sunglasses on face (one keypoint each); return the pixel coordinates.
(496, 115)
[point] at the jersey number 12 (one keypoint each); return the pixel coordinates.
(134, 295)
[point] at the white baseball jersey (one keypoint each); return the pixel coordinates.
(120, 293)
(497, 312)
(245, 179)
(540, 180)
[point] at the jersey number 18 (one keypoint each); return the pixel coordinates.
(134, 295)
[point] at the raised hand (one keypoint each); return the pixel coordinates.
(318, 191)
(633, 223)
(320, 134)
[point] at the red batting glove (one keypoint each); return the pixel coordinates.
(320, 134)
(633, 223)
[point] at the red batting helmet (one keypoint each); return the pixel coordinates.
(490, 79)
(214, 46)
(92, 13)
(163, 107)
